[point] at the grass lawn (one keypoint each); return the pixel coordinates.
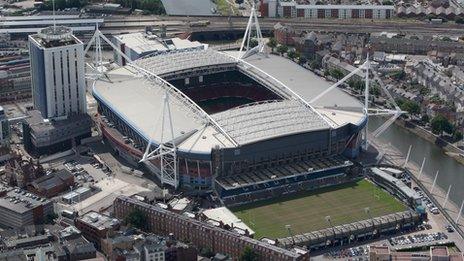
(306, 212)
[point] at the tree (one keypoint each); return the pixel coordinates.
(239, 2)
(302, 60)
(411, 107)
(315, 64)
(50, 218)
(425, 118)
(253, 42)
(149, 6)
(337, 74)
(292, 54)
(459, 20)
(137, 218)
(272, 43)
(249, 255)
(398, 75)
(457, 135)
(282, 49)
(441, 124)
(387, 2)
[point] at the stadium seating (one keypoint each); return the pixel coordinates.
(222, 91)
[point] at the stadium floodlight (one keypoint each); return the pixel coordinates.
(289, 230)
(367, 210)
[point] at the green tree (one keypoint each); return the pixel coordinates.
(441, 124)
(292, 54)
(50, 218)
(282, 49)
(459, 20)
(356, 84)
(249, 255)
(387, 2)
(315, 64)
(411, 107)
(272, 43)
(398, 75)
(253, 42)
(149, 6)
(425, 118)
(137, 218)
(337, 74)
(302, 60)
(457, 135)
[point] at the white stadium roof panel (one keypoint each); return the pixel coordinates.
(182, 60)
(260, 121)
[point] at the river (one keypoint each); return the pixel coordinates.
(451, 172)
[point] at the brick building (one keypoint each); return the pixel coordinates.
(284, 34)
(53, 184)
(201, 234)
(95, 226)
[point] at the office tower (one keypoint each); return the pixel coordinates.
(57, 69)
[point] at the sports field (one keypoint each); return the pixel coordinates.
(307, 211)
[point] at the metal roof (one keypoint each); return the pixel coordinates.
(123, 88)
(182, 60)
(270, 119)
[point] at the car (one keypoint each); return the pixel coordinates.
(435, 211)
(450, 229)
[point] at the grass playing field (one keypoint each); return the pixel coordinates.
(306, 211)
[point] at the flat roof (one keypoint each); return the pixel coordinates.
(20, 201)
(141, 42)
(98, 221)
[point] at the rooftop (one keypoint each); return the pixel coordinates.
(98, 221)
(20, 201)
(142, 43)
(55, 36)
(289, 80)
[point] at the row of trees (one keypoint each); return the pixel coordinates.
(149, 6)
(63, 4)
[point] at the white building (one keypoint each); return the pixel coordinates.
(137, 45)
(273, 8)
(57, 70)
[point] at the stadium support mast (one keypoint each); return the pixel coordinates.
(366, 101)
(252, 22)
(166, 152)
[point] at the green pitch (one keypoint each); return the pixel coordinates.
(307, 211)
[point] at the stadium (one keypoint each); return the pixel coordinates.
(238, 125)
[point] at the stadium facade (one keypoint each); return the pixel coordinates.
(239, 125)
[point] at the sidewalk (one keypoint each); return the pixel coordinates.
(395, 157)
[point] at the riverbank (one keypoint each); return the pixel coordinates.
(448, 148)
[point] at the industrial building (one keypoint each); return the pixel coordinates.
(19, 208)
(137, 45)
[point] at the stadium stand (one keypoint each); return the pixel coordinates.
(365, 229)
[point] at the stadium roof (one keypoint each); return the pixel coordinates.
(123, 88)
(258, 121)
(175, 62)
